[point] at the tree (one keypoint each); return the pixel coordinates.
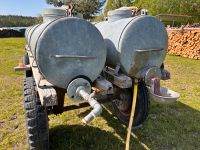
(17, 21)
(108, 6)
(114, 4)
(120, 3)
(86, 7)
(155, 7)
(179, 7)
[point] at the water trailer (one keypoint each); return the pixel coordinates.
(92, 64)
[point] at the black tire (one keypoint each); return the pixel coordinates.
(28, 73)
(36, 117)
(122, 106)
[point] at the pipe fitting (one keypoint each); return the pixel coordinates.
(97, 109)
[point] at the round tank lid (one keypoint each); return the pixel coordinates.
(54, 12)
(120, 11)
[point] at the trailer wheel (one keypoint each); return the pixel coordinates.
(26, 62)
(36, 117)
(122, 105)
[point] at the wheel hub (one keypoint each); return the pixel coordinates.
(123, 102)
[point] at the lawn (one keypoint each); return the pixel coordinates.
(168, 127)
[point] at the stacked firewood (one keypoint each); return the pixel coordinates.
(184, 42)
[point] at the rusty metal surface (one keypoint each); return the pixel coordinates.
(120, 80)
(103, 86)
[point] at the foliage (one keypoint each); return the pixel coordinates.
(17, 21)
(155, 7)
(86, 7)
(114, 4)
(178, 7)
(108, 7)
(56, 3)
(120, 3)
(97, 18)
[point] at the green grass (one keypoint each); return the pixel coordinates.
(168, 127)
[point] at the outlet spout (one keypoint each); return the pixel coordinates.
(97, 109)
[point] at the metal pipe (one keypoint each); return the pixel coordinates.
(97, 109)
(107, 99)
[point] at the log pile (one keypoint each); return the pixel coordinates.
(184, 42)
(4, 33)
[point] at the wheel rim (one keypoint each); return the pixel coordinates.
(123, 101)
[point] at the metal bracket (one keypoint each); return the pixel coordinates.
(120, 80)
(165, 75)
(27, 48)
(22, 68)
(153, 72)
(73, 56)
(103, 86)
(44, 83)
(117, 69)
(74, 85)
(35, 66)
(149, 50)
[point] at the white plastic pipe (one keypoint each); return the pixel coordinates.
(97, 109)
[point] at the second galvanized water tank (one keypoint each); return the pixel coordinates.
(135, 43)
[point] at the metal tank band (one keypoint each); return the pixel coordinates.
(27, 33)
(30, 33)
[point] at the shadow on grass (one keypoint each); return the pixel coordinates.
(77, 137)
(175, 126)
(167, 127)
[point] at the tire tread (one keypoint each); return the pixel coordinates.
(36, 117)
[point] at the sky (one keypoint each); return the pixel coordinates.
(22, 7)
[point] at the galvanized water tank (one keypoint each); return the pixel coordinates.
(135, 43)
(67, 48)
